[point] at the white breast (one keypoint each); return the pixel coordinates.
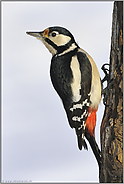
(76, 83)
(95, 97)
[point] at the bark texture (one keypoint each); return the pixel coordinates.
(112, 123)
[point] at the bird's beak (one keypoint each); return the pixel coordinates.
(36, 34)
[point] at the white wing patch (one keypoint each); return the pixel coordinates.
(76, 83)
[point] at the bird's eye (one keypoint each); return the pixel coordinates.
(53, 34)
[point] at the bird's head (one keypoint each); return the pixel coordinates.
(56, 39)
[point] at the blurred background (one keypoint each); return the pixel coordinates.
(37, 141)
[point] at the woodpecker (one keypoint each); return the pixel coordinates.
(76, 79)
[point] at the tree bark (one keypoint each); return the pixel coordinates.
(112, 124)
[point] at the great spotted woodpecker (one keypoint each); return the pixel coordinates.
(76, 79)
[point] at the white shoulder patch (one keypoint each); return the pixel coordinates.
(76, 83)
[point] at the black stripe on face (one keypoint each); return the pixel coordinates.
(62, 48)
(51, 43)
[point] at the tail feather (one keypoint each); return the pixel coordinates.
(82, 142)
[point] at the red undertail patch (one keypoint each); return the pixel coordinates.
(91, 122)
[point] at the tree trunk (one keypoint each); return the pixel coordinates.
(112, 123)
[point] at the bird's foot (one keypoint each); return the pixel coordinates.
(105, 91)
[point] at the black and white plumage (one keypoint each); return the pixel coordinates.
(76, 79)
(73, 91)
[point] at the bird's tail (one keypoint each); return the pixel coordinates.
(82, 142)
(80, 138)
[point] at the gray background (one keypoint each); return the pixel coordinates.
(37, 142)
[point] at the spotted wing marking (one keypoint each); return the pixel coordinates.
(76, 118)
(80, 112)
(80, 106)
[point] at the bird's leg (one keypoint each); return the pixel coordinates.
(95, 147)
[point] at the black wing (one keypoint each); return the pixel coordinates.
(78, 112)
(61, 77)
(86, 73)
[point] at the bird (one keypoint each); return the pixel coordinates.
(76, 79)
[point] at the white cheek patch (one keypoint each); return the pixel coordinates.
(60, 39)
